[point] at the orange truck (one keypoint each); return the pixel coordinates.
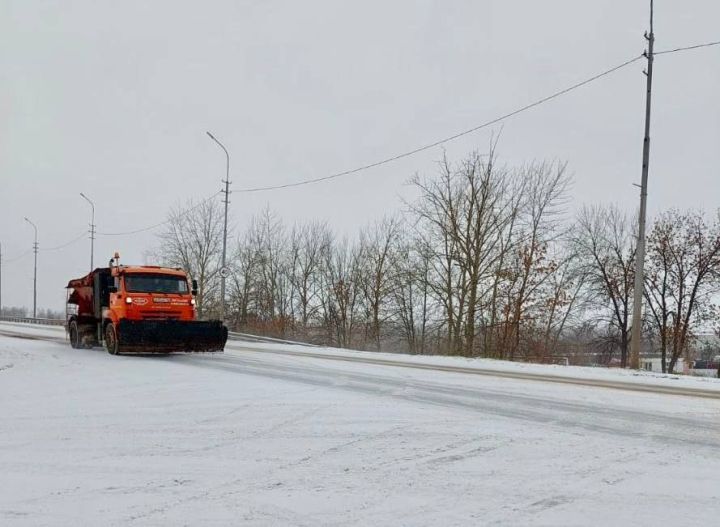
(139, 310)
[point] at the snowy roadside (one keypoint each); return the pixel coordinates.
(33, 329)
(636, 377)
(499, 366)
(262, 439)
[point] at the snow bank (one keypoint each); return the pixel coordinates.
(499, 366)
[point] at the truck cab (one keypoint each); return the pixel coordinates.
(149, 293)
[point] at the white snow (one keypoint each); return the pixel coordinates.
(646, 378)
(33, 329)
(253, 438)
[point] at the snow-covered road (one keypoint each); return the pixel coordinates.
(253, 438)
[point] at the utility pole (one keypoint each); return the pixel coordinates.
(0, 279)
(35, 250)
(92, 230)
(636, 338)
(223, 269)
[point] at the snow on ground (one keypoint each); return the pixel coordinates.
(258, 439)
(488, 365)
(33, 329)
(643, 377)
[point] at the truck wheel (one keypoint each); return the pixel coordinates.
(111, 342)
(74, 335)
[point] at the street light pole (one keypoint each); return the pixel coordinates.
(92, 229)
(35, 250)
(223, 269)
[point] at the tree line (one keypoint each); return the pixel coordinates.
(487, 261)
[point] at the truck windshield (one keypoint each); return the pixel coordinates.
(155, 283)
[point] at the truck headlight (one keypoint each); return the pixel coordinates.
(192, 301)
(128, 300)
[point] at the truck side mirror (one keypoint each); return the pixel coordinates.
(194, 288)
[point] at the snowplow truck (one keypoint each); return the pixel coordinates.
(139, 310)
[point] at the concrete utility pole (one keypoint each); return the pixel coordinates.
(223, 268)
(636, 338)
(0, 279)
(92, 230)
(35, 250)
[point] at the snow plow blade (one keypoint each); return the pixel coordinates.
(168, 336)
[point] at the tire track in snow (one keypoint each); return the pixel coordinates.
(658, 427)
(638, 424)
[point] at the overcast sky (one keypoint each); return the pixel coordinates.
(113, 99)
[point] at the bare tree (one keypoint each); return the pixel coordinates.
(377, 252)
(341, 301)
(604, 241)
(267, 243)
(464, 209)
(411, 292)
(192, 240)
(309, 248)
(241, 291)
(434, 210)
(562, 303)
(496, 327)
(544, 186)
(683, 267)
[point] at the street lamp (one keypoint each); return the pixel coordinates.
(92, 229)
(35, 250)
(223, 269)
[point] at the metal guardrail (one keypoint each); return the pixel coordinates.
(31, 320)
(234, 335)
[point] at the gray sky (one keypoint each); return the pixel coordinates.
(113, 99)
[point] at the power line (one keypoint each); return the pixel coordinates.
(18, 257)
(450, 138)
(81, 236)
(155, 226)
(58, 247)
(138, 231)
(474, 129)
(687, 48)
